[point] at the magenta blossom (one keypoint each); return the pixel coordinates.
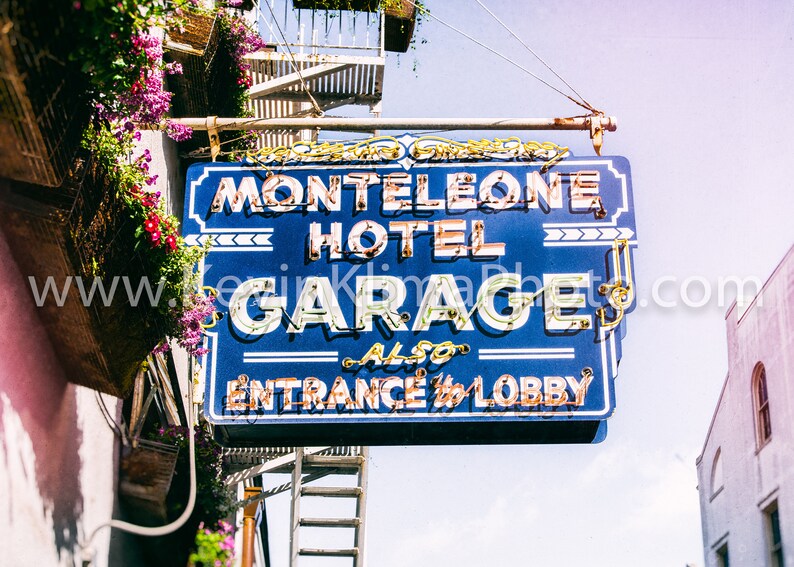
(178, 132)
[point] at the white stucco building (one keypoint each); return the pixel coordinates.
(746, 468)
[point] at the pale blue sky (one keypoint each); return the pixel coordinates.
(703, 95)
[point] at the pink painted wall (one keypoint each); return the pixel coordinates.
(57, 453)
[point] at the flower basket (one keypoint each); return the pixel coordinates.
(82, 229)
(400, 23)
(145, 476)
(211, 82)
(196, 90)
(43, 108)
(194, 47)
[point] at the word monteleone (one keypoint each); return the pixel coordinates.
(383, 296)
(498, 190)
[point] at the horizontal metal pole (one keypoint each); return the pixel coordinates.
(608, 123)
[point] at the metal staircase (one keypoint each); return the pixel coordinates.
(332, 59)
(344, 470)
(311, 465)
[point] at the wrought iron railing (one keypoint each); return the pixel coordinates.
(307, 31)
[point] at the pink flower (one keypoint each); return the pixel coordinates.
(170, 241)
(178, 132)
(161, 348)
(173, 68)
(155, 237)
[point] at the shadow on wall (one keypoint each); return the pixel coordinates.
(40, 437)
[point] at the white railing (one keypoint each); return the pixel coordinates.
(341, 32)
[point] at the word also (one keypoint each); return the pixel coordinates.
(439, 353)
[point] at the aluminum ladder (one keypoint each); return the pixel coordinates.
(312, 466)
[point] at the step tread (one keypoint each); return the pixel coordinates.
(332, 491)
(331, 522)
(333, 461)
(353, 552)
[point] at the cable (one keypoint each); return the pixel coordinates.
(506, 58)
(103, 409)
(292, 59)
(88, 553)
(538, 57)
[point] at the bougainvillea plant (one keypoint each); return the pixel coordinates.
(238, 40)
(156, 235)
(124, 63)
(214, 547)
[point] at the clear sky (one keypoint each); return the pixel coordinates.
(703, 96)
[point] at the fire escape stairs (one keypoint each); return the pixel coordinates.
(331, 70)
(307, 465)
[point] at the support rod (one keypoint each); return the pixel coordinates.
(608, 123)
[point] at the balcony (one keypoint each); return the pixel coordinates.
(337, 56)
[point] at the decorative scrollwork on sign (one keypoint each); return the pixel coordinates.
(216, 315)
(379, 148)
(620, 292)
(425, 148)
(438, 148)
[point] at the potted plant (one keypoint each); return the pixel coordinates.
(192, 43)
(400, 23)
(211, 49)
(145, 473)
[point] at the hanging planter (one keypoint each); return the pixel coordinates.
(400, 24)
(43, 107)
(193, 46)
(145, 475)
(82, 230)
(215, 77)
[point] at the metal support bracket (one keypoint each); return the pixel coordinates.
(597, 124)
(215, 141)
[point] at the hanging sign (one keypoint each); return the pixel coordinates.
(414, 291)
